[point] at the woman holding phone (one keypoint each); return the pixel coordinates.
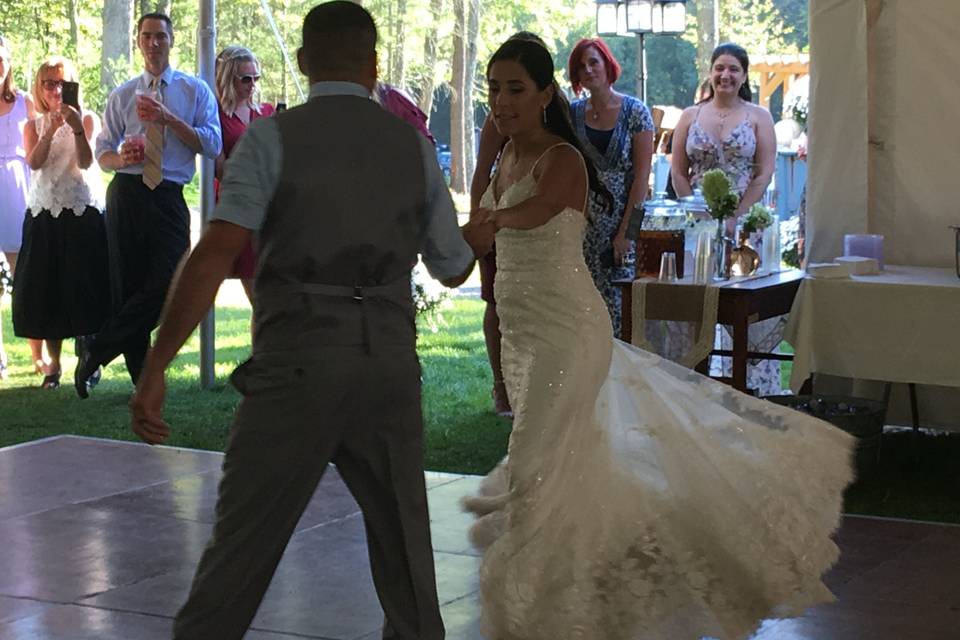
(61, 288)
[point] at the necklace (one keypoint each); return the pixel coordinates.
(597, 110)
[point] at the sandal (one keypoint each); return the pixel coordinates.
(51, 381)
(501, 404)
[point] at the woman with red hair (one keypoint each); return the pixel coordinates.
(617, 134)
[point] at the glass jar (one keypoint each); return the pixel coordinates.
(662, 231)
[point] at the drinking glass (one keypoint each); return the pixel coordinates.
(668, 266)
(136, 141)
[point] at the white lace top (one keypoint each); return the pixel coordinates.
(60, 184)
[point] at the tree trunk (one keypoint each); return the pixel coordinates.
(708, 35)
(396, 58)
(117, 46)
(469, 142)
(458, 173)
(425, 101)
(73, 16)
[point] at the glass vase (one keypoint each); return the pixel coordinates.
(720, 254)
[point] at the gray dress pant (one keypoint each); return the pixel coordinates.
(301, 411)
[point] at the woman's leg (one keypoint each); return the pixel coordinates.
(51, 379)
(41, 362)
(12, 261)
(491, 334)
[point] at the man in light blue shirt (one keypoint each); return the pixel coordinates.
(154, 127)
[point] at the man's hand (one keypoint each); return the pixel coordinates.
(151, 110)
(146, 408)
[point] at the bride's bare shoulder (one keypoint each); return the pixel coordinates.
(560, 156)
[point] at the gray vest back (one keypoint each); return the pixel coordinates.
(348, 211)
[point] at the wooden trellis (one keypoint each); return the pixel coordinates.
(776, 71)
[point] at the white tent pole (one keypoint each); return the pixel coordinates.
(207, 37)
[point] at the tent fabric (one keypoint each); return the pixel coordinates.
(837, 124)
(883, 150)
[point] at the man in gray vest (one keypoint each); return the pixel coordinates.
(344, 196)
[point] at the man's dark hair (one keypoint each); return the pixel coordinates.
(338, 38)
(155, 16)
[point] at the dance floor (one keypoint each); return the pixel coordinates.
(99, 539)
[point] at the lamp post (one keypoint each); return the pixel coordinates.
(639, 18)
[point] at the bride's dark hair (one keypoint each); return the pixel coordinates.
(538, 63)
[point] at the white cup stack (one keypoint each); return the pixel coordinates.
(703, 259)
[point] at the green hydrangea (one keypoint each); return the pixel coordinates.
(718, 192)
(757, 219)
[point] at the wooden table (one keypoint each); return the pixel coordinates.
(741, 303)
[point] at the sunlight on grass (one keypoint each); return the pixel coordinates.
(462, 433)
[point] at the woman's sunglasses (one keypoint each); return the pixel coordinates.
(51, 85)
(248, 79)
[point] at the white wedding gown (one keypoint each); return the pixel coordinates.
(639, 500)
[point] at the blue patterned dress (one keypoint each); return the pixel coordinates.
(615, 169)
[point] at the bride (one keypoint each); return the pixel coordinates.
(639, 500)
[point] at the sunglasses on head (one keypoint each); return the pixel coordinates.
(50, 85)
(248, 79)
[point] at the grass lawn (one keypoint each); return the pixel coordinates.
(462, 435)
(917, 478)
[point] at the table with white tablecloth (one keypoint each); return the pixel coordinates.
(901, 326)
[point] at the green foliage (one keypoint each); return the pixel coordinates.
(671, 71)
(36, 30)
(757, 25)
(757, 219)
(718, 192)
(671, 68)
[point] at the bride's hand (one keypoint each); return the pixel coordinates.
(481, 214)
(479, 235)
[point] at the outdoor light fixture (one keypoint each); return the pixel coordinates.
(641, 18)
(607, 17)
(670, 17)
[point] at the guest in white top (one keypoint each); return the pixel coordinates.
(61, 288)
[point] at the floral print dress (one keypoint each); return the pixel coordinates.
(735, 155)
(615, 170)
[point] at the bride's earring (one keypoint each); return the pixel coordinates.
(544, 116)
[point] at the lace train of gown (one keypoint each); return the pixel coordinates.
(639, 500)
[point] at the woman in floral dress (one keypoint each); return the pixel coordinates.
(729, 132)
(616, 131)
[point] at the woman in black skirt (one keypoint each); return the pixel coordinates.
(61, 286)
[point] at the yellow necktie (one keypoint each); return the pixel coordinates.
(153, 150)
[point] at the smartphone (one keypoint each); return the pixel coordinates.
(71, 94)
(635, 223)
